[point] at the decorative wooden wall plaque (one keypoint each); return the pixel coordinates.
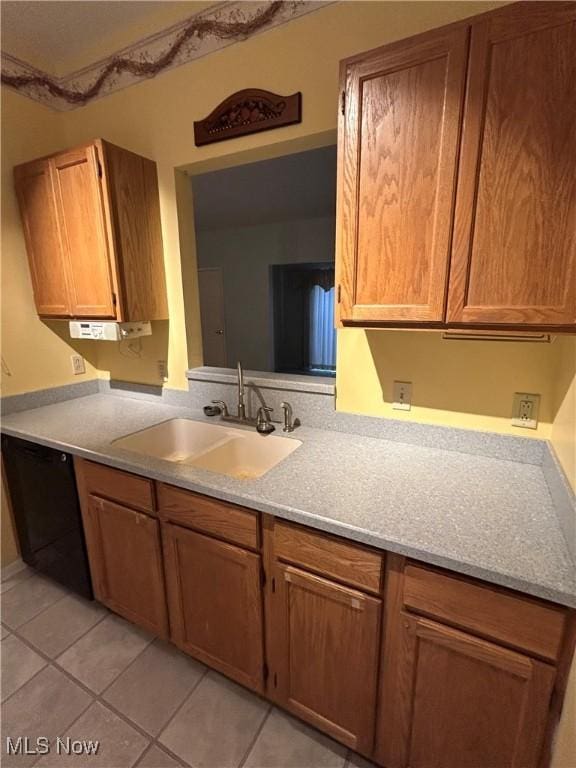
(248, 111)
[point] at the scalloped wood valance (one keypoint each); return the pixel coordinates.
(248, 111)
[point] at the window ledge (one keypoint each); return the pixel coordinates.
(290, 382)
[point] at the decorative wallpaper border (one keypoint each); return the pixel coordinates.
(201, 34)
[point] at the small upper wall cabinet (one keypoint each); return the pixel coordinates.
(457, 175)
(91, 218)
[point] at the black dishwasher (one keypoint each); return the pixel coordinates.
(46, 509)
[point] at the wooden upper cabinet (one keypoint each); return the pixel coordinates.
(514, 254)
(398, 148)
(40, 222)
(461, 702)
(80, 208)
(91, 218)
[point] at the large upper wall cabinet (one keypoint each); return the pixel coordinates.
(91, 219)
(457, 176)
(412, 666)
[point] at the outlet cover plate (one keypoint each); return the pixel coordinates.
(78, 365)
(402, 396)
(525, 410)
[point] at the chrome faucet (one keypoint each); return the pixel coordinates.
(241, 403)
(240, 416)
(289, 421)
(263, 424)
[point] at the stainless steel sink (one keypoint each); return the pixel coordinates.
(227, 450)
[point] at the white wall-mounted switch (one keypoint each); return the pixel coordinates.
(402, 396)
(525, 410)
(78, 365)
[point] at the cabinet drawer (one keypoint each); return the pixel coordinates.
(202, 513)
(330, 556)
(132, 490)
(523, 622)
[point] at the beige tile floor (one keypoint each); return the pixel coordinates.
(71, 669)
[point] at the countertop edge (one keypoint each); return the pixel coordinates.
(360, 535)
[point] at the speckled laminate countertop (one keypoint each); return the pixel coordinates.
(489, 518)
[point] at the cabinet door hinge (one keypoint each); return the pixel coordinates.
(99, 167)
(343, 102)
(265, 672)
(339, 293)
(114, 301)
(275, 680)
(273, 585)
(262, 577)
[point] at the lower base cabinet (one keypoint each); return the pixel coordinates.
(460, 702)
(410, 665)
(323, 654)
(214, 594)
(126, 563)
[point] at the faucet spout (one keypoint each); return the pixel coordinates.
(241, 402)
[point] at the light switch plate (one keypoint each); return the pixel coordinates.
(402, 396)
(525, 410)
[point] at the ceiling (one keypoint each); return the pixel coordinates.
(60, 36)
(297, 186)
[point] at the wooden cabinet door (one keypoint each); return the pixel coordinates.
(514, 252)
(125, 555)
(323, 654)
(40, 222)
(461, 702)
(215, 603)
(82, 224)
(398, 146)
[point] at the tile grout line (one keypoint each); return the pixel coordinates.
(36, 615)
(150, 747)
(16, 582)
(98, 697)
(101, 619)
(75, 720)
(95, 697)
(256, 736)
(176, 712)
(130, 663)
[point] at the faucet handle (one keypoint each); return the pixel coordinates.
(223, 406)
(288, 421)
(263, 423)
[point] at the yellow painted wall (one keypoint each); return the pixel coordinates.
(35, 354)
(563, 438)
(563, 434)
(460, 383)
(463, 383)
(156, 117)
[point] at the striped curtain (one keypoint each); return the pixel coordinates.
(322, 332)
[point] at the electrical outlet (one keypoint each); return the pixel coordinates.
(78, 365)
(402, 396)
(162, 370)
(525, 410)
